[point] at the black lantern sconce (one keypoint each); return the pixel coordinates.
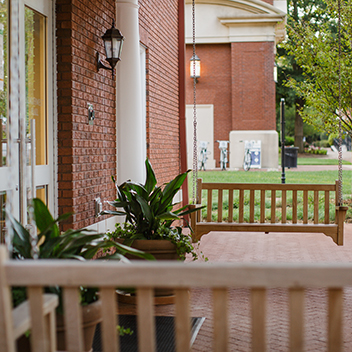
(195, 67)
(113, 40)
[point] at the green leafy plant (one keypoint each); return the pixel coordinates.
(50, 243)
(122, 331)
(150, 212)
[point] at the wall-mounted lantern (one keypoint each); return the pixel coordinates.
(195, 67)
(113, 40)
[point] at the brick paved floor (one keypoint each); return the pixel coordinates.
(259, 247)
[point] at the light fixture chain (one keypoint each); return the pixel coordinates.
(195, 152)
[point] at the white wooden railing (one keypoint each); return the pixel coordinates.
(145, 276)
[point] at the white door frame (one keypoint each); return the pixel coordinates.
(18, 181)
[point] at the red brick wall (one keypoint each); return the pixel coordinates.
(158, 32)
(253, 87)
(214, 86)
(86, 154)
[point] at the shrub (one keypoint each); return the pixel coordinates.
(321, 144)
(325, 143)
(289, 140)
(316, 151)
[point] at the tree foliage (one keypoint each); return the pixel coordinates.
(315, 46)
(299, 12)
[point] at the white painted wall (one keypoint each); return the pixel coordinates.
(205, 132)
(281, 5)
(103, 226)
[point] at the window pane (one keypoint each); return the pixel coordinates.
(36, 100)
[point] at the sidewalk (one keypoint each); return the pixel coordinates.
(335, 155)
(347, 156)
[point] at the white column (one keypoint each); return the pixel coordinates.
(130, 123)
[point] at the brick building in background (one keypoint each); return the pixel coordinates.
(235, 94)
(54, 80)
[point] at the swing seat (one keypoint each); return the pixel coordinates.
(251, 215)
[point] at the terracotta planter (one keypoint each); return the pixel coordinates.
(161, 250)
(91, 317)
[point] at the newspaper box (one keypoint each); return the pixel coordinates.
(255, 149)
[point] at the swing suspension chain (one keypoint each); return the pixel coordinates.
(340, 200)
(195, 154)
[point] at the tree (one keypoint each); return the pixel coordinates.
(315, 47)
(299, 12)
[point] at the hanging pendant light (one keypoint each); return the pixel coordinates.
(195, 66)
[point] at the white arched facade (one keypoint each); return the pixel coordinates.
(227, 21)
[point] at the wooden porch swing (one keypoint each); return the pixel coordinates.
(311, 195)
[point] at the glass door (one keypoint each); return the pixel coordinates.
(25, 96)
(36, 103)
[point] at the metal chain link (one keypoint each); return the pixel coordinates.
(340, 200)
(195, 147)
